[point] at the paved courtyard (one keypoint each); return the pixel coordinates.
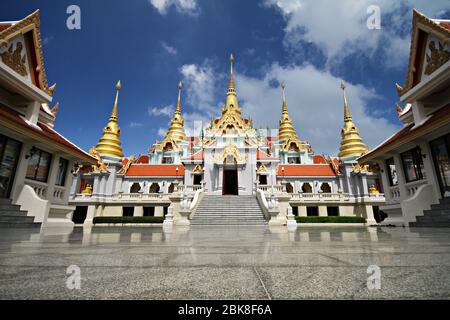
(226, 263)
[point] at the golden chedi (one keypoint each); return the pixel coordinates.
(176, 129)
(352, 145)
(231, 104)
(286, 130)
(109, 147)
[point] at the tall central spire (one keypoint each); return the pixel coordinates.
(352, 145)
(231, 104)
(176, 129)
(109, 146)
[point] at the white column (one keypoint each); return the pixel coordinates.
(32, 114)
(401, 177)
(90, 215)
(385, 181)
(138, 211)
(429, 168)
(302, 211)
(159, 211)
(21, 171)
(323, 211)
(53, 173)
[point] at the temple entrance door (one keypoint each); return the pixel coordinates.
(230, 181)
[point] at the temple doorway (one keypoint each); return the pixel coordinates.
(230, 182)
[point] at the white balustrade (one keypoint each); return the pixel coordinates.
(320, 196)
(189, 188)
(58, 194)
(39, 187)
(411, 187)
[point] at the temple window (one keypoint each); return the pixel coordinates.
(333, 211)
(197, 179)
(312, 211)
(413, 165)
(392, 172)
(289, 188)
(171, 188)
(128, 211)
(154, 188)
(263, 179)
(167, 160)
(293, 160)
(38, 165)
(325, 187)
(306, 188)
(135, 188)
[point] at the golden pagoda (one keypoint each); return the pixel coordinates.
(109, 147)
(351, 143)
(286, 132)
(176, 130)
(231, 113)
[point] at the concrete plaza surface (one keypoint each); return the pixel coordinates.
(226, 263)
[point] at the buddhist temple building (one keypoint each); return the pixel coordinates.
(415, 161)
(36, 161)
(187, 178)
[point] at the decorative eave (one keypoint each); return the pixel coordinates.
(428, 25)
(31, 22)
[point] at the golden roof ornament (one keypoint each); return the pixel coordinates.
(398, 108)
(231, 104)
(55, 108)
(286, 131)
(176, 133)
(109, 146)
(351, 143)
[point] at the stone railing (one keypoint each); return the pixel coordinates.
(40, 188)
(270, 188)
(138, 196)
(320, 197)
(395, 195)
(411, 187)
(189, 188)
(59, 194)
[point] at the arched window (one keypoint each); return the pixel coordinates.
(289, 188)
(135, 188)
(325, 187)
(171, 188)
(154, 188)
(306, 188)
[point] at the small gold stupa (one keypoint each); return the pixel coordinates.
(176, 129)
(286, 130)
(352, 145)
(109, 147)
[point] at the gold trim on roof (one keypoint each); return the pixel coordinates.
(14, 59)
(31, 22)
(230, 151)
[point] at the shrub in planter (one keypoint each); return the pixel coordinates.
(325, 219)
(99, 220)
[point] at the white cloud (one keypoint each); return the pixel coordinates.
(199, 83)
(169, 49)
(162, 132)
(338, 28)
(183, 6)
(135, 124)
(315, 103)
(166, 111)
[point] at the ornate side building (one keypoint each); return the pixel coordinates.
(229, 158)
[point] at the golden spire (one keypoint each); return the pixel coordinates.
(351, 143)
(109, 147)
(176, 129)
(286, 130)
(231, 102)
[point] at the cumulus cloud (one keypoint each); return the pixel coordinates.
(315, 103)
(166, 111)
(169, 49)
(183, 6)
(338, 28)
(162, 132)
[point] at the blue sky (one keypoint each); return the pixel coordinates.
(151, 44)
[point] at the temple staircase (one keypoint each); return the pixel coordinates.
(12, 217)
(437, 217)
(229, 210)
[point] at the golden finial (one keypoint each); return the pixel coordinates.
(399, 89)
(283, 87)
(399, 109)
(52, 89)
(351, 143)
(54, 110)
(231, 86)
(178, 108)
(109, 146)
(176, 129)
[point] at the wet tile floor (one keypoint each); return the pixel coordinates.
(226, 263)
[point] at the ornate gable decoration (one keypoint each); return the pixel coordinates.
(127, 166)
(428, 25)
(197, 169)
(436, 58)
(30, 23)
(230, 154)
(262, 169)
(100, 167)
(14, 59)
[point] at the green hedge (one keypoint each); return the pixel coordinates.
(339, 219)
(98, 220)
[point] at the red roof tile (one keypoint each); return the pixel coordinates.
(446, 25)
(319, 159)
(51, 136)
(305, 170)
(261, 155)
(155, 170)
(143, 159)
